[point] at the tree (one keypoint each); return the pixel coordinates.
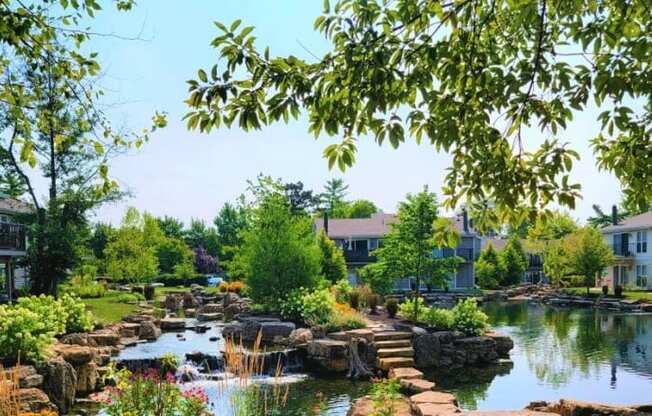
(52, 132)
(333, 266)
(408, 248)
(467, 77)
(302, 201)
(229, 223)
(278, 252)
(204, 262)
(171, 227)
(334, 193)
(130, 254)
(552, 227)
(11, 184)
(489, 268)
(171, 252)
(555, 262)
(588, 254)
(97, 242)
(201, 235)
(514, 261)
(361, 208)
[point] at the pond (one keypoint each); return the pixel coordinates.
(585, 354)
(558, 353)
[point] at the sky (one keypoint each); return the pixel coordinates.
(191, 175)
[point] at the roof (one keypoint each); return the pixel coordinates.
(374, 227)
(496, 242)
(14, 206)
(637, 222)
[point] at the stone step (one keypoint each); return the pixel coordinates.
(393, 362)
(398, 343)
(405, 373)
(416, 385)
(392, 336)
(396, 352)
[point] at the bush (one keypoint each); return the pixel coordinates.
(384, 395)
(345, 318)
(23, 335)
(292, 306)
(78, 319)
(391, 305)
(169, 280)
(130, 297)
(469, 319)
(605, 290)
(354, 299)
(342, 289)
(237, 287)
(406, 309)
(372, 301)
(52, 314)
(149, 292)
(317, 307)
(223, 287)
(440, 318)
(618, 291)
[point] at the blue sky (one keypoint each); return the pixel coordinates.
(187, 174)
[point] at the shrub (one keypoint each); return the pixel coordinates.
(24, 334)
(149, 395)
(618, 291)
(149, 292)
(345, 318)
(317, 307)
(372, 301)
(440, 318)
(52, 314)
(407, 308)
(130, 297)
(78, 319)
(384, 394)
(223, 287)
(237, 287)
(292, 305)
(391, 305)
(365, 294)
(605, 290)
(342, 289)
(354, 299)
(469, 319)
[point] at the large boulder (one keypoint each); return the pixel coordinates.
(328, 355)
(230, 298)
(233, 331)
(428, 348)
(212, 308)
(78, 339)
(149, 331)
(568, 407)
(87, 378)
(299, 336)
(34, 401)
(105, 338)
(274, 330)
(231, 311)
(475, 350)
(129, 330)
(27, 376)
(504, 344)
(75, 354)
(59, 383)
(189, 301)
(173, 324)
(365, 406)
(173, 301)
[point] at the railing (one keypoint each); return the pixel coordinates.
(358, 256)
(12, 237)
(465, 253)
(624, 250)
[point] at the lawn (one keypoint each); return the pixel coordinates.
(107, 309)
(596, 291)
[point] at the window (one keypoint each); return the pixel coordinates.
(641, 241)
(641, 275)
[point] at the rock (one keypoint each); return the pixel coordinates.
(190, 312)
(173, 301)
(231, 311)
(405, 373)
(212, 308)
(416, 385)
(137, 319)
(27, 376)
(328, 355)
(75, 354)
(149, 331)
(233, 331)
(364, 406)
(271, 330)
(87, 378)
(434, 397)
(34, 401)
(189, 301)
(173, 324)
(129, 330)
(476, 350)
(299, 336)
(568, 407)
(214, 339)
(206, 317)
(105, 338)
(646, 307)
(434, 409)
(78, 339)
(59, 383)
(504, 344)
(427, 348)
(230, 298)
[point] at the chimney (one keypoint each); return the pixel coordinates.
(465, 219)
(614, 215)
(326, 222)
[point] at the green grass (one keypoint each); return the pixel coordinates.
(107, 309)
(174, 289)
(596, 291)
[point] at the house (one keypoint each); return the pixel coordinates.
(533, 272)
(629, 241)
(358, 237)
(13, 245)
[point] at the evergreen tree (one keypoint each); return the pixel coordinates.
(333, 266)
(489, 268)
(514, 261)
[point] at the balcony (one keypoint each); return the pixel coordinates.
(358, 256)
(465, 253)
(12, 237)
(623, 250)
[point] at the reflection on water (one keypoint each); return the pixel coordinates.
(585, 354)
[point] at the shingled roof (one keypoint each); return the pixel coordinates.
(637, 222)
